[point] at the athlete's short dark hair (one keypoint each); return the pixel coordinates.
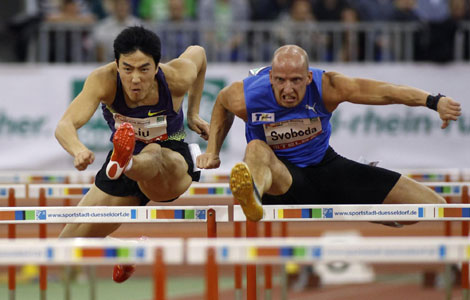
(136, 38)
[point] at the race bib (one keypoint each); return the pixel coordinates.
(291, 133)
(146, 130)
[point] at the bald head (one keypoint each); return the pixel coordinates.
(289, 75)
(290, 55)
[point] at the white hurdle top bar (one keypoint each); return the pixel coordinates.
(60, 176)
(447, 188)
(111, 214)
(380, 212)
(89, 251)
(51, 176)
(20, 190)
(60, 191)
(311, 250)
(83, 251)
(205, 190)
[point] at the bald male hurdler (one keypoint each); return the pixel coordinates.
(287, 108)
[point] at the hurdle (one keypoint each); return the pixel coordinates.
(31, 177)
(81, 251)
(262, 251)
(11, 192)
(259, 251)
(210, 215)
(51, 177)
(432, 174)
(49, 214)
(448, 190)
(349, 212)
(120, 214)
(406, 212)
(72, 176)
(46, 176)
(309, 250)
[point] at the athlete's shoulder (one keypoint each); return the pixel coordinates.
(232, 97)
(103, 80)
(179, 75)
(177, 64)
(233, 90)
(104, 73)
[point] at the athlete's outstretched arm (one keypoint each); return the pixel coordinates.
(339, 88)
(77, 114)
(197, 71)
(230, 102)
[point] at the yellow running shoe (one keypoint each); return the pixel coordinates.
(244, 190)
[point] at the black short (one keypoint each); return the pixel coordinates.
(336, 180)
(124, 186)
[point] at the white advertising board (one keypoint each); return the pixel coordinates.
(34, 98)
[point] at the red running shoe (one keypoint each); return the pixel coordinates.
(124, 142)
(122, 272)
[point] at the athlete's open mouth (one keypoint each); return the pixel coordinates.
(288, 98)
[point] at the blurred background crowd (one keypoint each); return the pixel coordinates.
(78, 31)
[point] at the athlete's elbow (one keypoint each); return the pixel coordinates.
(63, 126)
(60, 128)
(58, 134)
(197, 50)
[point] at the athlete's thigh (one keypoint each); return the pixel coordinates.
(172, 181)
(281, 177)
(299, 187)
(408, 191)
(177, 160)
(261, 158)
(96, 197)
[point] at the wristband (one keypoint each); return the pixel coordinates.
(431, 101)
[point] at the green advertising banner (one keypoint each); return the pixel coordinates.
(397, 135)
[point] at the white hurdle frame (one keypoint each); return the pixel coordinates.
(221, 190)
(196, 251)
(50, 176)
(72, 176)
(380, 212)
(81, 251)
(20, 190)
(148, 214)
(267, 251)
(10, 192)
(310, 250)
(423, 175)
(92, 251)
(405, 212)
(111, 214)
(77, 191)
